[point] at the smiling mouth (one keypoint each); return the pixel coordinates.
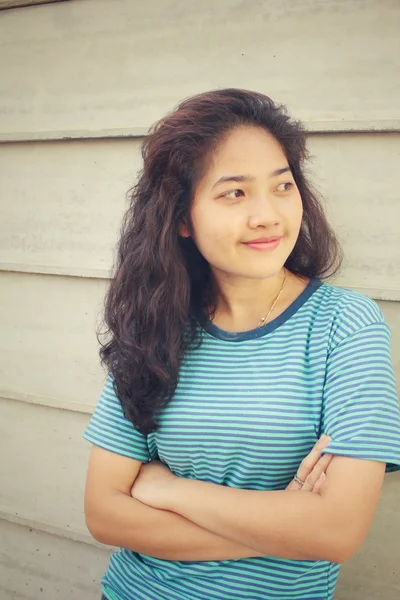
(264, 243)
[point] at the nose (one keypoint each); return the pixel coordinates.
(262, 213)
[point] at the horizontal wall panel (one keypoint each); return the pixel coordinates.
(356, 126)
(48, 346)
(44, 474)
(61, 205)
(37, 565)
(96, 64)
(356, 176)
(5, 4)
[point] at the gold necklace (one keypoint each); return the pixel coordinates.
(265, 319)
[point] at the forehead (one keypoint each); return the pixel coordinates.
(248, 150)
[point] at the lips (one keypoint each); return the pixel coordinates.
(264, 240)
(264, 243)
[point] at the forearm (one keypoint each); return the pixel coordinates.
(279, 523)
(121, 521)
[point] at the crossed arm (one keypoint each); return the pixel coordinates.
(180, 519)
(330, 525)
(113, 517)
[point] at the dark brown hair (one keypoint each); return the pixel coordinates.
(161, 281)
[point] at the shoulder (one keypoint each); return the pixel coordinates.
(111, 430)
(347, 312)
(349, 305)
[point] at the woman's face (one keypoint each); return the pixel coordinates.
(247, 210)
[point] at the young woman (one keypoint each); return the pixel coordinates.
(229, 358)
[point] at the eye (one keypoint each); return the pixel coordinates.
(233, 194)
(286, 186)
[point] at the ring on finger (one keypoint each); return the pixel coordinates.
(297, 480)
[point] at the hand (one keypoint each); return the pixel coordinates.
(153, 484)
(313, 468)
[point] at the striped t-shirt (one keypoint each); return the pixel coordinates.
(247, 409)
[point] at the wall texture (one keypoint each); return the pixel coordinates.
(80, 82)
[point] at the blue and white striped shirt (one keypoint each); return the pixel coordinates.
(247, 409)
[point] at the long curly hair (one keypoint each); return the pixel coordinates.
(160, 281)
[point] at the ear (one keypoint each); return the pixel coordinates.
(183, 230)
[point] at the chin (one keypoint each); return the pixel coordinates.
(257, 273)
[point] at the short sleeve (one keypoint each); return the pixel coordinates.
(109, 429)
(360, 403)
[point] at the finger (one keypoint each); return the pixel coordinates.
(313, 457)
(294, 486)
(321, 466)
(320, 482)
(313, 477)
(317, 471)
(309, 463)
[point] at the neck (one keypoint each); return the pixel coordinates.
(242, 303)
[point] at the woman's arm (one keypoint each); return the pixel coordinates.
(114, 517)
(330, 525)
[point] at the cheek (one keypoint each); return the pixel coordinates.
(212, 234)
(299, 214)
(294, 214)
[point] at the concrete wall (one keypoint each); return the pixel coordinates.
(80, 82)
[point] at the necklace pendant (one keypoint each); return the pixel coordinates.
(265, 319)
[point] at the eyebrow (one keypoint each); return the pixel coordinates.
(242, 178)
